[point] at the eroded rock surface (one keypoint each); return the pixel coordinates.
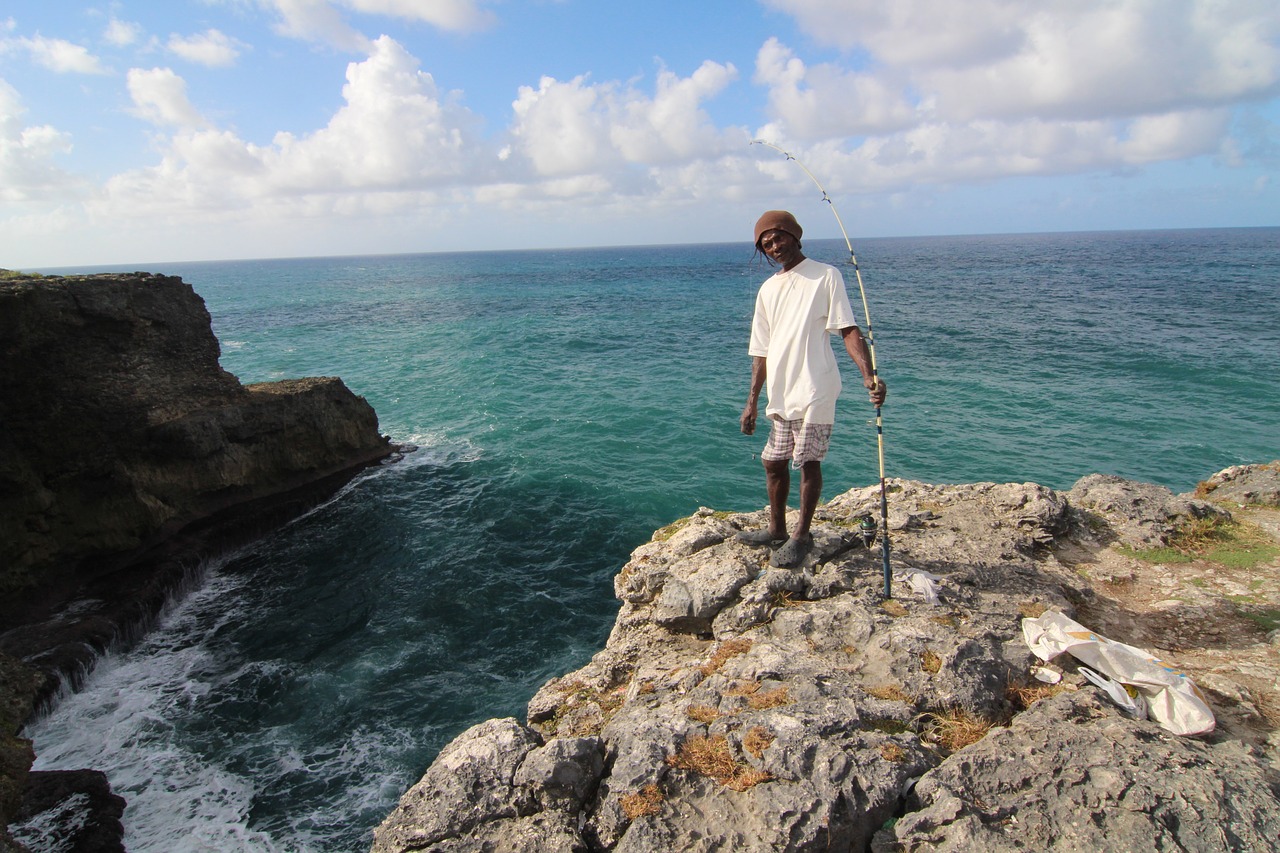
(121, 427)
(741, 707)
(126, 453)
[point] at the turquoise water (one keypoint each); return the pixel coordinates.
(566, 404)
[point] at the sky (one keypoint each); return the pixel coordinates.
(143, 131)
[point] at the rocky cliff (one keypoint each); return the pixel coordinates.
(126, 453)
(740, 707)
(121, 427)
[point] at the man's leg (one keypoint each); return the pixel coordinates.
(796, 548)
(777, 479)
(810, 494)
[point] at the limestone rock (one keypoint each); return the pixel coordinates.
(121, 427)
(127, 452)
(1072, 773)
(1246, 485)
(496, 786)
(122, 431)
(741, 707)
(1142, 515)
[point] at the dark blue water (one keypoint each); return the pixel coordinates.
(568, 403)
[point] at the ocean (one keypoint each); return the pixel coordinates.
(566, 403)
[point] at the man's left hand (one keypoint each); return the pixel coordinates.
(876, 389)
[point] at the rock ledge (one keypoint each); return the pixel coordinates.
(739, 707)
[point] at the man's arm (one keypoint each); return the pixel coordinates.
(856, 346)
(748, 419)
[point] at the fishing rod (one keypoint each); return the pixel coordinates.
(871, 350)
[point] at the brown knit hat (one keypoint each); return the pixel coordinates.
(777, 220)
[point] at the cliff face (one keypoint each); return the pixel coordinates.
(126, 452)
(121, 428)
(741, 707)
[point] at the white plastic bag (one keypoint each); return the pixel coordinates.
(1130, 699)
(920, 581)
(1172, 698)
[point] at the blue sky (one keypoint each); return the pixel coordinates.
(144, 132)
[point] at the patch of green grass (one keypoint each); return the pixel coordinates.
(665, 533)
(1244, 555)
(1267, 619)
(1228, 543)
(7, 274)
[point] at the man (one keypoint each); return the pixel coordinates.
(797, 310)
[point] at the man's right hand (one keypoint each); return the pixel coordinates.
(748, 419)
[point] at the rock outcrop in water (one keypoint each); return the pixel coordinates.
(126, 452)
(740, 707)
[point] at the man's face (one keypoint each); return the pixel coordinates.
(780, 247)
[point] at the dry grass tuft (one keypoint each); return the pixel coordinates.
(769, 699)
(748, 777)
(1023, 696)
(647, 801)
(891, 692)
(585, 709)
(1204, 488)
(712, 757)
(955, 728)
(702, 713)
(930, 662)
(757, 740)
(785, 598)
(743, 688)
(1198, 534)
(726, 650)
(891, 751)
(893, 608)
(1032, 609)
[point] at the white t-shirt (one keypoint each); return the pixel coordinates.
(796, 313)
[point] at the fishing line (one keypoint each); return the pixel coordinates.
(871, 350)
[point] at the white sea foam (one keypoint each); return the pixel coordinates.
(124, 722)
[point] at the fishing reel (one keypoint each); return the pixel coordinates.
(867, 530)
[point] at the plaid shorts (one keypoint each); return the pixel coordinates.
(798, 441)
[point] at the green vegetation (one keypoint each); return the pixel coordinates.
(1268, 619)
(665, 533)
(1228, 543)
(8, 274)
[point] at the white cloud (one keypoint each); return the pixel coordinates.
(826, 100)
(160, 97)
(561, 127)
(211, 47)
(941, 153)
(575, 127)
(920, 99)
(394, 136)
(317, 20)
(122, 33)
(27, 169)
(393, 130)
(59, 55)
(1068, 58)
(459, 15)
(951, 92)
(672, 126)
(323, 20)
